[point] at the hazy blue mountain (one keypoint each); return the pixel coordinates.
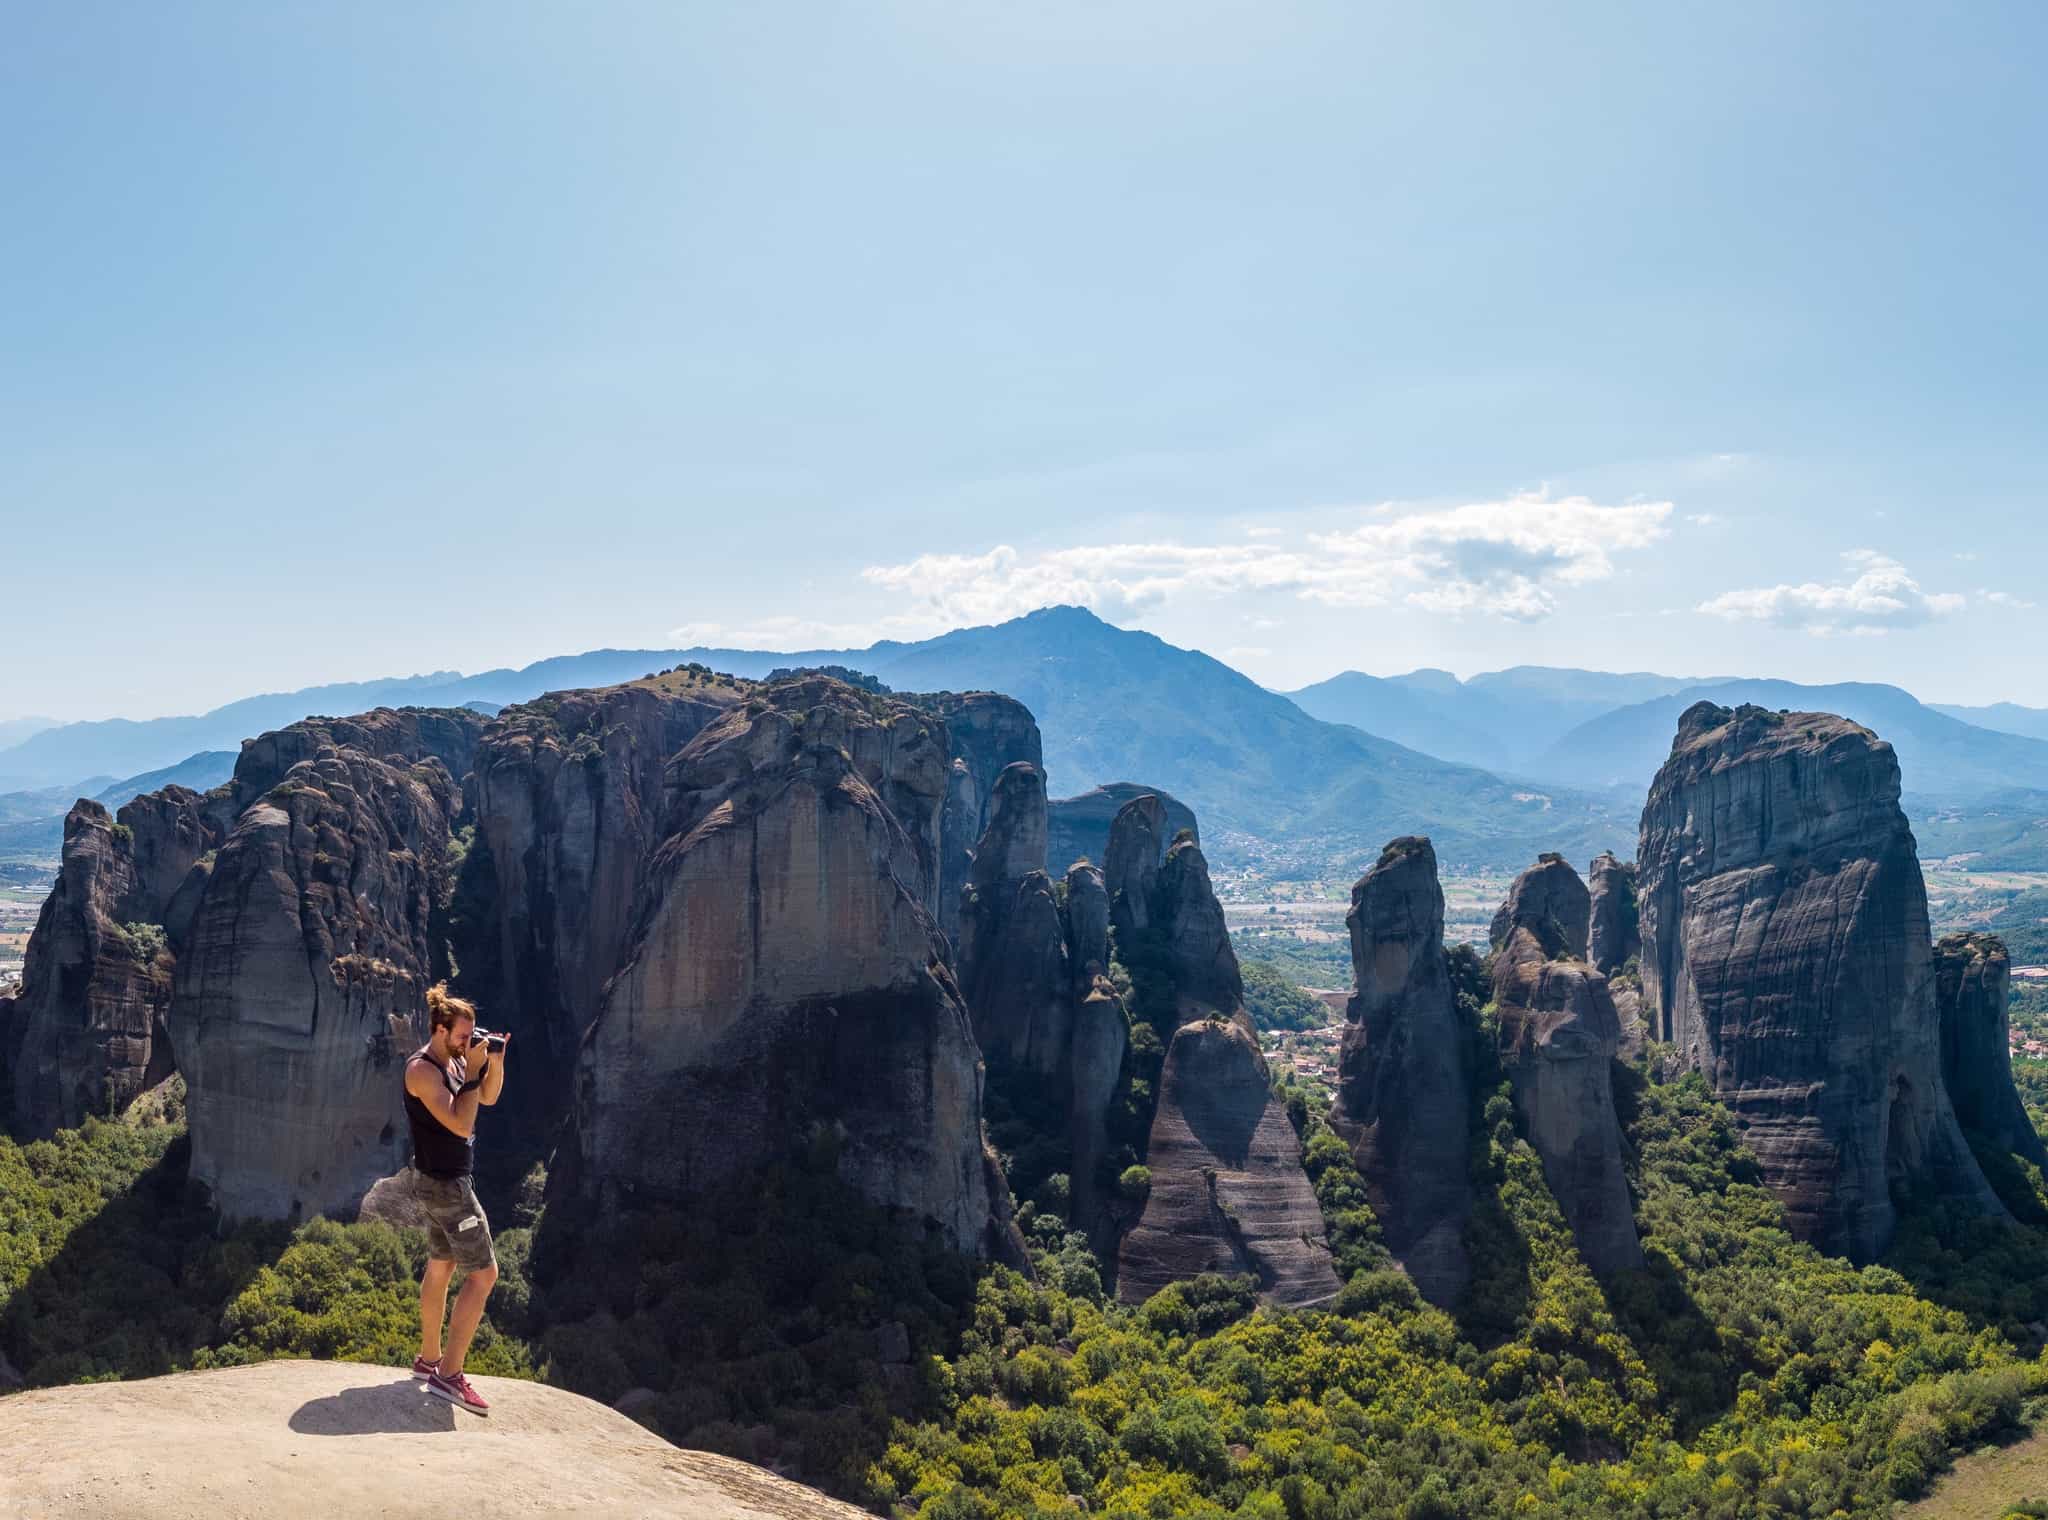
(122, 746)
(1501, 719)
(32, 823)
(14, 730)
(1114, 704)
(1939, 756)
(2004, 717)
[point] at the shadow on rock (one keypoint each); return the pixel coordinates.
(399, 1407)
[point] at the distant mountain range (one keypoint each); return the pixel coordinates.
(32, 823)
(1494, 768)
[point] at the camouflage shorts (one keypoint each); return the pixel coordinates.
(457, 1230)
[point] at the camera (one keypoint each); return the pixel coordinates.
(490, 1037)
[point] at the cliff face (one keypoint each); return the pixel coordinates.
(1972, 979)
(1228, 1192)
(1033, 973)
(1615, 933)
(566, 795)
(86, 1034)
(1013, 951)
(1786, 954)
(1404, 1086)
(302, 983)
(1078, 827)
(986, 733)
(786, 975)
(89, 1030)
(1552, 903)
(1558, 1037)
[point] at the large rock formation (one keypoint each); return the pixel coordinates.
(1615, 934)
(987, 732)
(1077, 828)
(303, 980)
(1550, 898)
(567, 797)
(1972, 978)
(1786, 955)
(1228, 1192)
(786, 976)
(1404, 1086)
(1013, 950)
(1558, 1037)
(86, 1033)
(88, 1030)
(1034, 973)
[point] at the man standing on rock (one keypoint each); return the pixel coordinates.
(441, 1100)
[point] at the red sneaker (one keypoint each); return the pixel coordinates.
(455, 1388)
(422, 1368)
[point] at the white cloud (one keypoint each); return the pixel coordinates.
(1502, 557)
(1878, 596)
(1703, 519)
(2004, 599)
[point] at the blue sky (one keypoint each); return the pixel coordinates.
(352, 341)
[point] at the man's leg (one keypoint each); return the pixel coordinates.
(434, 1306)
(469, 1308)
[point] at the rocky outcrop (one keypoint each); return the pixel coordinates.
(88, 1030)
(1551, 901)
(1013, 949)
(987, 732)
(303, 980)
(1197, 941)
(1558, 1037)
(1404, 1085)
(1078, 827)
(1130, 872)
(1615, 933)
(786, 976)
(1786, 954)
(1972, 977)
(567, 795)
(1034, 974)
(86, 1033)
(1228, 1192)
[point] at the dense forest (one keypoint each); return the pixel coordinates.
(1739, 1373)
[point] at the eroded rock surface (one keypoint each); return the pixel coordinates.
(1078, 827)
(1551, 902)
(1228, 1192)
(1786, 954)
(1404, 1086)
(1973, 976)
(86, 1034)
(987, 732)
(567, 796)
(1558, 1037)
(786, 976)
(303, 983)
(1615, 934)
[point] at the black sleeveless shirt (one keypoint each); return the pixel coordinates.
(437, 1151)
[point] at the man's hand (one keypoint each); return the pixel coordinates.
(494, 1073)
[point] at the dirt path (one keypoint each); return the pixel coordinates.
(1985, 1482)
(293, 1440)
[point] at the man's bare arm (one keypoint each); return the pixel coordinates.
(494, 1075)
(457, 1111)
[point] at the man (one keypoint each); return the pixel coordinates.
(445, 1083)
